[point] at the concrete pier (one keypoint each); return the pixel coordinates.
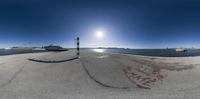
(94, 75)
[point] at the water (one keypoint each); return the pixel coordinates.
(145, 52)
(150, 52)
(10, 52)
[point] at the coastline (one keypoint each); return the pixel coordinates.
(15, 52)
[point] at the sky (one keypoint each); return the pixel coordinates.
(123, 23)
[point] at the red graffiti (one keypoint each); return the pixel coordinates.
(142, 78)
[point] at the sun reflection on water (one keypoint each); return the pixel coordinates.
(99, 50)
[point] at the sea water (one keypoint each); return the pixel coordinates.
(149, 52)
(11, 52)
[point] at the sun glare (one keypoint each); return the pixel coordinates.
(99, 34)
(99, 50)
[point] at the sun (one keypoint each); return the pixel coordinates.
(99, 34)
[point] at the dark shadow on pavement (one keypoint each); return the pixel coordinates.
(58, 61)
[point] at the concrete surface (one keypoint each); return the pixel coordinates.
(24, 79)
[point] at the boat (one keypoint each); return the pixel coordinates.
(55, 48)
(181, 50)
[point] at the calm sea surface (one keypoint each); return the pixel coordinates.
(150, 52)
(10, 52)
(145, 52)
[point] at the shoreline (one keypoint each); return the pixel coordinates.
(42, 51)
(140, 55)
(22, 52)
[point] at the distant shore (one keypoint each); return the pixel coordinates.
(142, 52)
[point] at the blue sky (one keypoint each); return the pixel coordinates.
(125, 23)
